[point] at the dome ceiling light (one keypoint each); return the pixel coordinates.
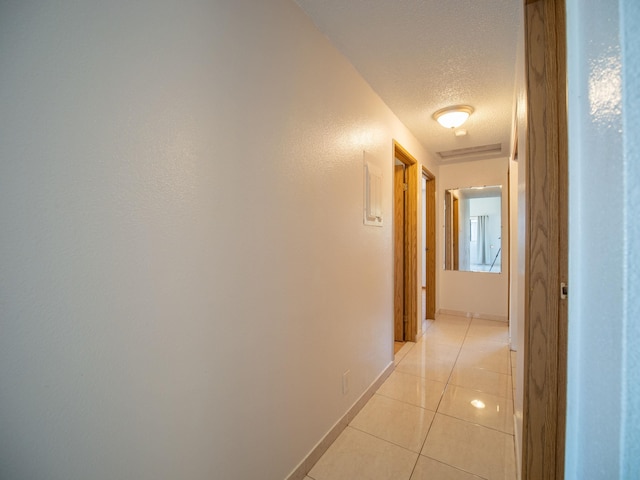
(453, 117)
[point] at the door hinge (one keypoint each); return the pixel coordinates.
(405, 187)
(564, 290)
(405, 319)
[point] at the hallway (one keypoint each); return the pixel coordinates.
(446, 412)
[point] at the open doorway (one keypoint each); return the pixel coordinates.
(405, 243)
(428, 246)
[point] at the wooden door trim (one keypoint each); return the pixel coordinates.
(398, 253)
(411, 239)
(545, 349)
(430, 255)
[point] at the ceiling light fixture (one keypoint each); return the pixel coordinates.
(453, 117)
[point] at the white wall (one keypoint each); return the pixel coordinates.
(603, 431)
(472, 292)
(184, 270)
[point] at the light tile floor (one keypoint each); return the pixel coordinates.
(446, 412)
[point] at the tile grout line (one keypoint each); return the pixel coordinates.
(435, 412)
(438, 406)
(457, 468)
(454, 365)
(450, 416)
(476, 424)
(383, 439)
(499, 396)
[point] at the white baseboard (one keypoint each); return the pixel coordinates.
(483, 316)
(323, 445)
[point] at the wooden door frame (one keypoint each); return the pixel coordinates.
(545, 345)
(399, 247)
(430, 254)
(411, 240)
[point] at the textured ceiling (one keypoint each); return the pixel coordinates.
(422, 55)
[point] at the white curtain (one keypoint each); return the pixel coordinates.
(483, 245)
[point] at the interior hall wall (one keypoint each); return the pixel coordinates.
(184, 271)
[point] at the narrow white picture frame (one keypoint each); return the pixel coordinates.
(372, 193)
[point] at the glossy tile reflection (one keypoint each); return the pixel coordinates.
(478, 407)
(446, 412)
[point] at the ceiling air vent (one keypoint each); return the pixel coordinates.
(469, 151)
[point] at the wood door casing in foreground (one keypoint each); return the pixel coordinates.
(545, 356)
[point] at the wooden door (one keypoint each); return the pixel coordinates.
(399, 251)
(448, 205)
